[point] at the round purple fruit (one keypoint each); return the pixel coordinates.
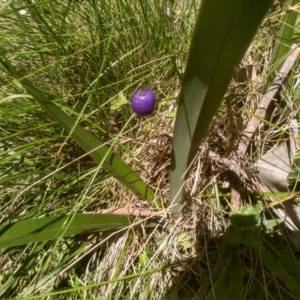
(143, 101)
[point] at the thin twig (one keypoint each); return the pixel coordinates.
(233, 127)
(218, 158)
(131, 212)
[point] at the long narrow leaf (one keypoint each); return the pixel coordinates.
(230, 284)
(284, 36)
(223, 32)
(112, 163)
(44, 229)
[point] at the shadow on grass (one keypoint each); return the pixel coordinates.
(246, 263)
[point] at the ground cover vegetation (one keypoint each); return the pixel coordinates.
(197, 200)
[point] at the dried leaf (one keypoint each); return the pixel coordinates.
(275, 166)
(273, 170)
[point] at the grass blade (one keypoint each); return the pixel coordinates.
(216, 48)
(44, 229)
(284, 36)
(283, 264)
(230, 284)
(102, 154)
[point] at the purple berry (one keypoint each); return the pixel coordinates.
(143, 101)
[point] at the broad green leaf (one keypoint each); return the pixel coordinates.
(184, 240)
(247, 237)
(223, 32)
(49, 228)
(102, 154)
(285, 267)
(270, 224)
(118, 101)
(247, 216)
(230, 284)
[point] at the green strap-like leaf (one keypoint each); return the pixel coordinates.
(284, 36)
(44, 229)
(102, 154)
(230, 284)
(282, 263)
(223, 32)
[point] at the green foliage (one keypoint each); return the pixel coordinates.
(81, 61)
(246, 216)
(49, 228)
(216, 49)
(246, 237)
(280, 260)
(246, 227)
(285, 269)
(286, 36)
(184, 240)
(230, 284)
(285, 33)
(81, 56)
(118, 102)
(95, 148)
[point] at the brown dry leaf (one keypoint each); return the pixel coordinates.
(275, 166)
(273, 170)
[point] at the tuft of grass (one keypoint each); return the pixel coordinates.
(83, 56)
